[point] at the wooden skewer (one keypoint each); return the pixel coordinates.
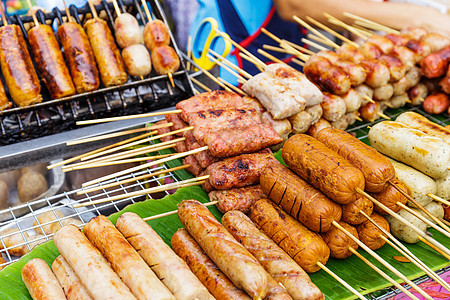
(231, 65)
(213, 78)
(226, 67)
(341, 281)
(69, 18)
(33, 15)
(147, 12)
(157, 189)
(134, 179)
(316, 32)
(367, 26)
(420, 206)
(315, 45)
(383, 115)
(2, 12)
(404, 221)
(297, 53)
(130, 117)
(338, 22)
(276, 49)
(423, 219)
(94, 12)
(173, 212)
(408, 101)
(147, 165)
(298, 47)
(260, 67)
(240, 47)
(271, 57)
(116, 8)
(438, 199)
(234, 88)
(358, 119)
(363, 30)
(445, 221)
(368, 99)
(331, 31)
(300, 63)
(321, 40)
(189, 53)
(117, 134)
(138, 142)
(196, 92)
(271, 35)
(388, 105)
(382, 261)
(204, 87)
(384, 275)
(402, 249)
(367, 21)
(447, 256)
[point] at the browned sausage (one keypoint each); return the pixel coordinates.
(156, 34)
(107, 55)
(369, 234)
(298, 198)
(165, 60)
(240, 199)
(338, 242)
(323, 168)
(318, 126)
(4, 102)
(304, 246)
(17, 67)
(390, 197)
(377, 169)
(40, 281)
(369, 112)
(230, 256)
(436, 103)
(79, 57)
(276, 262)
(204, 268)
(351, 213)
(275, 291)
(50, 62)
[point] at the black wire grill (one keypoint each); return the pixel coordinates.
(137, 95)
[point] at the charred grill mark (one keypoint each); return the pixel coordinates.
(270, 192)
(299, 209)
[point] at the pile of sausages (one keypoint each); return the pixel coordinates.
(91, 55)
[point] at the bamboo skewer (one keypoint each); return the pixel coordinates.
(402, 249)
(438, 199)
(69, 18)
(296, 52)
(315, 31)
(368, 99)
(204, 87)
(420, 206)
(382, 261)
(116, 7)
(446, 255)
(242, 49)
(271, 57)
(341, 281)
(117, 134)
(445, 221)
(231, 65)
(367, 21)
(234, 88)
(189, 53)
(140, 167)
(315, 45)
(331, 31)
(211, 76)
(338, 22)
(33, 15)
(258, 65)
(303, 50)
(326, 42)
(157, 189)
(146, 115)
(300, 63)
(276, 49)
(363, 30)
(384, 275)
(93, 11)
(134, 179)
(383, 115)
(173, 212)
(2, 12)
(225, 66)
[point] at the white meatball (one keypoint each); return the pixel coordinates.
(137, 60)
(127, 30)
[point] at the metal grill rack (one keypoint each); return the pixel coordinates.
(136, 96)
(28, 225)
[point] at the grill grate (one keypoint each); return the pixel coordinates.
(138, 95)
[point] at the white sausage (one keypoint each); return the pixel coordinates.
(333, 107)
(404, 232)
(300, 122)
(419, 122)
(315, 111)
(40, 281)
(443, 187)
(435, 209)
(127, 30)
(137, 60)
(69, 280)
(352, 100)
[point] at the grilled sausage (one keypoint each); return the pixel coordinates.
(170, 268)
(369, 234)
(156, 34)
(333, 107)
(300, 122)
(414, 32)
(323, 168)
(79, 57)
(376, 167)
(390, 197)
(50, 62)
(109, 61)
(276, 291)
(165, 60)
(352, 100)
(435, 64)
(304, 246)
(276, 262)
(316, 127)
(204, 268)
(241, 199)
(428, 154)
(302, 201)
(384, 92)
(230, 256)
(406, 55)
(417, 94)
(443, 187)
(401, 86)
(124, 260)
(385, 44)
(404, 232)
(420, 48)
(369, 112)
(377, 72)
(436, 41)
(365, 93)
(137, 60)
(17, 67)
(436, 103)
(351, 53)
(351, 213)
(40, 281)
(127, 30)
(413, 76)
(371, 50)
(396, 67)
(338, 242)
(69, 280)
(398, 101)
(94, 271)
(341, 124)
(4, 101)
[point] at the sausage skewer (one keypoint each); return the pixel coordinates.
(4, 102)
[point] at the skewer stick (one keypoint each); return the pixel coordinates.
(300, 63)
(92, 7)
(320, 40)
(130, 117)
(438, 199)
(447, 256)
(316, 32)
(148, 139)
(384, 275)
(226, 67)
(147, 12)
(276, 49)
(382, 261)
(189, 53)
(147, 165)
(383, 115)
(116, 8)
(207, 73)
(402, 249)
(338, 22)
(420, 206)
(204, 87)
(117, 134)
(33, 15)
(367, 26)
(368, 99)
(173, 212)
(341, 281)
(259, 66)
(315, 45)
(389, 105)
(239, 47)
(271, 35)
(2, 12)
(234, 88)
(196, 92)
(445, 221)
(67, 11)
(367, 21)
(358, 119)
(157, 189)
(331, 31)
(134, 179)
(297, 53)
(422, 218)
(271, 57)
(363, 30)
(298, 47)
(231, 65)
(404, 221)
